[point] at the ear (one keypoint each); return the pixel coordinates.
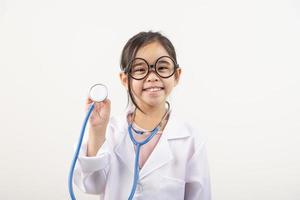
(124, 79)
(177, 76)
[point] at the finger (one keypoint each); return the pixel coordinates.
(88, 103)
(105, 106)
(97, 106)
(88, 100)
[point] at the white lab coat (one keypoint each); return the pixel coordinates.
(177, 169)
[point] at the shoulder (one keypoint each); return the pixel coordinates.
(120, 121)
(116, 129)
(117, 123)
(194, 131)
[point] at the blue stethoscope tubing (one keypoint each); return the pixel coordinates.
(136, 165)
(138, 148)
(70, 180)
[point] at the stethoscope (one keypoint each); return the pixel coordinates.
(139, 145)
(98, 93)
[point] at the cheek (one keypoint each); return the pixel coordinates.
(169, 86)
(170, 83)
(137, 87)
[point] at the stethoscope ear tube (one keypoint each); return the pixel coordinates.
(136, 162)
(138, 148)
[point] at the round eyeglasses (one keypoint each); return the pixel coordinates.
(139, 68)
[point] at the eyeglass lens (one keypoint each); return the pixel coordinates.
(164, 67)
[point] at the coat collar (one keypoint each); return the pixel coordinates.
(161, 154)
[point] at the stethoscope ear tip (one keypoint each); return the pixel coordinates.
(98, 92)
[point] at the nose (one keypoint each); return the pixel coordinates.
(152, 76)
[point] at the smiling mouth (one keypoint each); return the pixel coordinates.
(153, 89)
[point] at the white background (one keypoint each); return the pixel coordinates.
(240, 84)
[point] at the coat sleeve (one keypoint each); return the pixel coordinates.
(198, 179)
(90, 174)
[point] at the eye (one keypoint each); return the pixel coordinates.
(164, 65)
(139, 69)
(163, 68)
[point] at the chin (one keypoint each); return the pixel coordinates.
(154, 102)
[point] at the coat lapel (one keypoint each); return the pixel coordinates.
(160, 156)
(125, 149)
(126, 153)
(162, 153)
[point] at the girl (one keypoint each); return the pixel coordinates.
(148, 153)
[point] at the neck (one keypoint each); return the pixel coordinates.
(151, 116)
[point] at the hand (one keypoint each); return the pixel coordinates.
(100, 115)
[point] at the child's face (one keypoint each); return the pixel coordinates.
(147, 97)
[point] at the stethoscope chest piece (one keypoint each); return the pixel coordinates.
(98, 92)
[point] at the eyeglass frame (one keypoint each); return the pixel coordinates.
(150, 67)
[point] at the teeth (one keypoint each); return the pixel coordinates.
(153, 89)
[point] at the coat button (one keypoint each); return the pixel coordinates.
(139, 188)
